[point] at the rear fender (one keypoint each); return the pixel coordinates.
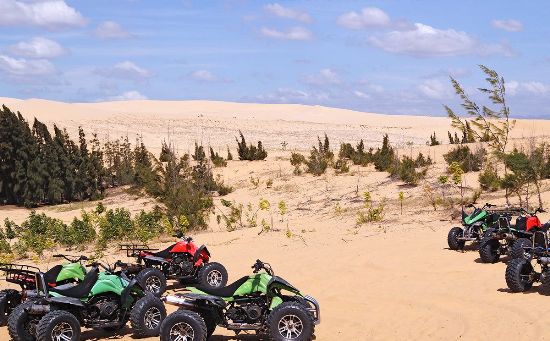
(201, 256)
(63, 300)
(126, 298)
(209, 299)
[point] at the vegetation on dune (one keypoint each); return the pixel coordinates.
(250, 152)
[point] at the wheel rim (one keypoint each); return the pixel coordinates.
(214, 278)
(62, 332)
(152, 318)
(152, 284)
(290, 327)
(182, 332)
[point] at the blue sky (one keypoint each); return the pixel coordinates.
(379, 56)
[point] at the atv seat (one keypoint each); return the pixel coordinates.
(82, 289)
(164, 253)
(521, 223)
(226, 291)
(51, 275)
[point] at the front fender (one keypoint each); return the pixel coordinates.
(202, 255)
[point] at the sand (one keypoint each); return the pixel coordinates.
(389, 280)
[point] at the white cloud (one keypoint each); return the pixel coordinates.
(368, 17)
(51, 14)
(126, 70)
(324, 77)
(361, 94)
(21, 67)
(424, 40)
(38, 48)
(509, 25)
(285, 12)
(294, 33)
(111, 30)
(286, 95)
(204, 76)
(435, 89)
(512, 87)
(536, 88)
(128, 96)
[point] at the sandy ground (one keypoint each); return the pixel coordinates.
(389, 280)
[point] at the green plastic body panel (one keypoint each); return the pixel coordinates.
(74, 271)
(108, 284)
(472, 219)
(255, 284)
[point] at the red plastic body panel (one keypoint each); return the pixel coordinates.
(532, 222)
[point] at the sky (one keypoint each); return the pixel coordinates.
(391, 57)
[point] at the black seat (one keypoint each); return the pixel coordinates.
(164, 253)
(83, 288)
(226, 291)
(51, 275)
(521, 223)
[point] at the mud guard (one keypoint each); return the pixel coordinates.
(202, 255)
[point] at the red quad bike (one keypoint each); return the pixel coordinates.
(182, 261)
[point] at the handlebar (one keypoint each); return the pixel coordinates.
(73, 259)
(180, 235)
(259, 265)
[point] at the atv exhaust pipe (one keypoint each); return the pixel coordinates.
(39, 309)
(177, 300)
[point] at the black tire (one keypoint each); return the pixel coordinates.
(19, 323)
(191, 321)
(147, 315)
(452, 239)
(290, 311)
(212, 275)
(67, 322)
(517, 250)
(152, 280)
(489, 248)
(518, 275)
(210, 323)
(9, 299)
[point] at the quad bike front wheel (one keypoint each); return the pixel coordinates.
(489, 248)
(152, 280)
(520, 275)
(290, 321)
(147, 315)
(21, 326)
(213, 275)
(517, 250)
(9, 299)
(58, 325)
(183, 325)
(453, 241)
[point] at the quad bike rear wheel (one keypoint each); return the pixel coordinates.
(452, 239)
(290, 321)
(9, 299)
(147, 315)
(517, 250)
(183, 325)
(489, 248)
(152, 280)
(58, 325)
(213, 275)
(520, 275)
(21, 326)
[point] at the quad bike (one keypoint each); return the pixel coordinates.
(474, 226)
(183, 261)
(103, 300)
(263, 302)
(520, 272)
(59, 276)
(505, 238)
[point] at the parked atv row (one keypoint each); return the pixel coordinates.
(54, 305)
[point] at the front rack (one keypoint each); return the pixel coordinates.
(133, 250)
(24, 275)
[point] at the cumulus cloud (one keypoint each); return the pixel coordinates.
(203, 76)
(368, 17)
(294, 33)
(51, 14)
(128, 96)
(435, 89)
(286, 95)
(509, 25)
(324, 77)
(424, 40)
(289, 13)
(126, 70)
(111, 30)
(21, 67)
(38, 48)
(361, 94)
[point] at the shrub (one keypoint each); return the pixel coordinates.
(433, 141)
(216, 159)
(384, 157)
(421, 161)
(341, 166)
(40, 232)
(11, 229)
(250, 152)
(489, 179)
(405, 169)
(469, 162)
(115, 225)
(320, 157)
(297, 160)
(147, 225)
(229, 155)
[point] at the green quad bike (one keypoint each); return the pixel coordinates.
(474, 226)
(509, 239)
(104, 300)
(59, 276)
(263, 302)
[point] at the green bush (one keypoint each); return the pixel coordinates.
(147, 225)
(250, 152)
(320, 157)
(297, 160)
(216, 159)
(469, 161)
(406, 171)
(40, 232)
(489, 179)
(341, 166)
(357, 156)
(384, 157)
